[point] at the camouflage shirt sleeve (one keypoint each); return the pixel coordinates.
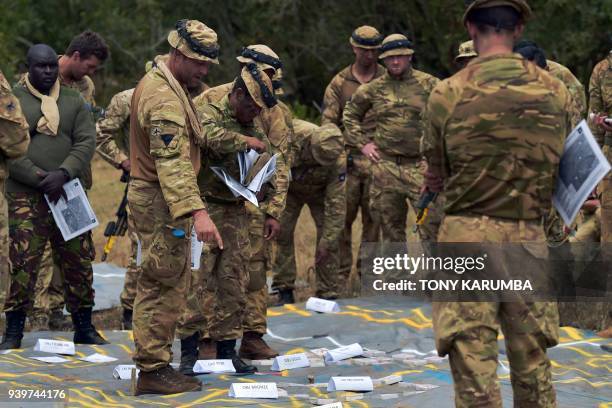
(14, 130)
(109, 129)
(219, 138)
(170, 149)
(332, 109)
(335, 203)
(596, 102)
(354, 112)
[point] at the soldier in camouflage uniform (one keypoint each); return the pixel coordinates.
(85, 53)
(466, 54)
(479, 144)
(63, 143)
(318, 168)
(396, 101)
(365, 42)
(15, 139)
(165, 202)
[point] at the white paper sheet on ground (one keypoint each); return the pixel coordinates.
(582, 167)
(5, 351)
(55, 346)
(350, 384)
(98, 358)
(332, 405)
(124, 371)
(214, 366)
(196, 251)
(342, 353)
(290, 362)
(253, 390)
(51, 359)
(235, 187)
(73, 215)
(322, 305)
(263, 175)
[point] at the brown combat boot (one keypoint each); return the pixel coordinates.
(253, 347)
(164, 381)
(207, 349)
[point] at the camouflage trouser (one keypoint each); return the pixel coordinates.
(392, 186)
(467, 331)
(31, 226)
(49, 291)
(259, 264)
(606, 201)
(164, 277)
(5, 266)
(285, 268)
(131, 274)
(216, 305)
(357, 196)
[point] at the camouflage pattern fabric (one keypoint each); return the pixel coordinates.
(128, 294)
(575, 88)
(31, 226)
(460, 111)
(164, 278)
(49, 288)
(112, 136)
(14, 141)
(337, 94)
(323, 189)
(468, 331)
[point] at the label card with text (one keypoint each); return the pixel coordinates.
(342, 353)
(124, 371)
(322, 305)
(55, 346)
(253, 390)
(350, 384)
(196, 250)
(290, 361)
(214, 366)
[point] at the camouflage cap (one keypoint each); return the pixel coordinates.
(519, 5)
(259, 86)
(277, 82)
(466, 50)
(395, 44)
(262, 55)
(326, 144)
(195, 40)
(366, 37)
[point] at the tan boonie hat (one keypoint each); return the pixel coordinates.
(366, 37)
(519, 5)
(395, 44)
(466, 50)
(326, 144)
(259, 86)
(277, 82)
(195, 40)
(262, 55)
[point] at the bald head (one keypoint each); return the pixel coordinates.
(42, 67)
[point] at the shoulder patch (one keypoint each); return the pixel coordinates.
(167, 139)
(342, 177)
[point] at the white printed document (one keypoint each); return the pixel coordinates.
(74, 216)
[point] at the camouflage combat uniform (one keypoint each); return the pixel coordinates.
(15, 140)
(499, 171)
(323, 189)
(337, 94)
(162, 195)
(397, 107)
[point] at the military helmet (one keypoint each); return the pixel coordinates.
(259, 86)
(326, 144)
(466, 50)
(395, 44)
(262, 55)
(195, 40)
(366, 37)
(519, 5)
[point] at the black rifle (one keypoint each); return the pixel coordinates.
(117, 228)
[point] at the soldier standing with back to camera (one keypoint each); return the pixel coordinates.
(496, 162)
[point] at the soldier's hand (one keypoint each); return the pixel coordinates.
(52, 184)
(321, 255)
(205, 228)
(370, 151)
(271, 228)
(126, 165)
(602, 121)
(256, 144)
(433, 182)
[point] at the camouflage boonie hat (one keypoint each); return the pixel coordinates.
(259, 86)
(326, 144)
(519, 5)
(366, 37)
(195, 40)
(262, 55)
(466, 50)
(395, 44)
(277, 82)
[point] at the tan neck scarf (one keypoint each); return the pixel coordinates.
(49, 121)
(194, 122)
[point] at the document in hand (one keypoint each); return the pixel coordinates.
(582, 167)
(73, 216)
(253, 174)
